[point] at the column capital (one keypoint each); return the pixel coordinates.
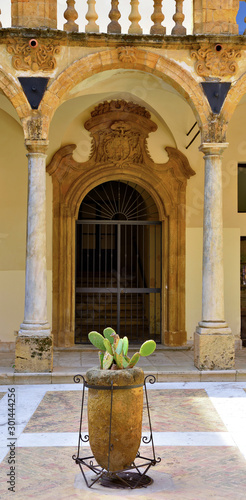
(38, 146)
(213, 148)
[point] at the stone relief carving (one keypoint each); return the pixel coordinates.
(119, 144)
(127, 54)
(120, 105)
(217, 61)
(119, 131)
(26, 57)
(34, 127)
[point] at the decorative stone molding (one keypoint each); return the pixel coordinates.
(36, 146)
(119, 105)
(127, 54)
(39, 57)
(119, 131)
(34, 128)
(118, 134)
(146, 61)
(217, 61)
(119, 144)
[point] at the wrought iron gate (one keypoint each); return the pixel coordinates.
(118, 278)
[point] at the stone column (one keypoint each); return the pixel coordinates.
(213, 342)
(34, 341)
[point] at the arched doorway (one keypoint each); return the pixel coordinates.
(118, 263)
(119, 169)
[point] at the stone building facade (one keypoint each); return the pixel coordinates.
(132, 143)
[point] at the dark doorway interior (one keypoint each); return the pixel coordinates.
(118, 263)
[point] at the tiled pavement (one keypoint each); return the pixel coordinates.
(199, 433)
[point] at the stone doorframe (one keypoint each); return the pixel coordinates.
(119, 131)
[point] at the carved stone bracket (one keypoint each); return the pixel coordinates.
(217, 61)
(127, 54)
(33, 57)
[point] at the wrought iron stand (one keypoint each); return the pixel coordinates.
(123, 478)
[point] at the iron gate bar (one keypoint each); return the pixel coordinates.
(118, 274)
(120, 290)
(119, 222)
(115, 259)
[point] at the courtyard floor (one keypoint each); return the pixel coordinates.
(199, 434)
(168, 365)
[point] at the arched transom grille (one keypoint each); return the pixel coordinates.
(117, 200)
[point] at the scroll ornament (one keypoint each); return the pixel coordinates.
(26, 57)
(216, 61)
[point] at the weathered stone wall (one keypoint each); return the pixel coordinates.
(215, 16)
(34, 14)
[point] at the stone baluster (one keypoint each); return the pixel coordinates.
(114, 15)
(91, 17)
(157, 18)
(70, 15)
(34, 342)
(214, 343)
(135, 17)
(179, 19)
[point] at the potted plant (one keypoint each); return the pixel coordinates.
(115, 400)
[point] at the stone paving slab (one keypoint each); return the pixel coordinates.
(199, 432)
(194, 473)
(192, 408)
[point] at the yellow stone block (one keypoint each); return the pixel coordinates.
(214, 351)
(33, 14)
(33, 354)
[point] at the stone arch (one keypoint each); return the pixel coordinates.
(127, 58)
(166, 183)
(236, 92)
(85, 183)
(15, 95)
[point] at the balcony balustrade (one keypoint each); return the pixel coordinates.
(138, 17)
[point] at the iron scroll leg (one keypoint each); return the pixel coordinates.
(145, 440)
(125, 476)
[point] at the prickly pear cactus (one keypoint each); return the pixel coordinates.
(114, 350)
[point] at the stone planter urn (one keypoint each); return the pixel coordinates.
(115, 450)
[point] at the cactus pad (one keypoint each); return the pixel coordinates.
(107, 332)
(97, 340)
(135, 358)
(147, 348)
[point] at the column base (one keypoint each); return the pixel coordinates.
(34, 351)
(214, 348)
(175, 339)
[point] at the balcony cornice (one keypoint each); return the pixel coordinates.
(171, 42)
